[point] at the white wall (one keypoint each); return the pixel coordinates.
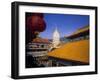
(5, 40)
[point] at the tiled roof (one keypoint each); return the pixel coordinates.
(40, 40)
(77, 51)
(79, 31)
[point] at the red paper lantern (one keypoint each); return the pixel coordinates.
(35, 22)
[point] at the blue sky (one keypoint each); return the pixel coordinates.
(65, 23)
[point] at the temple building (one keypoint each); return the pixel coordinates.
(36, 52)
(74, 52)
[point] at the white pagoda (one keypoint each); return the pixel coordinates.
(56, 38)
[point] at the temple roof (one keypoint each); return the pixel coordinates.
(76, 51)
(40, 40)
(80, 32)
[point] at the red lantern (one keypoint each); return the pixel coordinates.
(36, 23)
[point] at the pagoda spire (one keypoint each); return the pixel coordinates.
(56, 38)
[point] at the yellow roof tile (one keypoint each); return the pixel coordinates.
(81, 30)
(77, 51)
